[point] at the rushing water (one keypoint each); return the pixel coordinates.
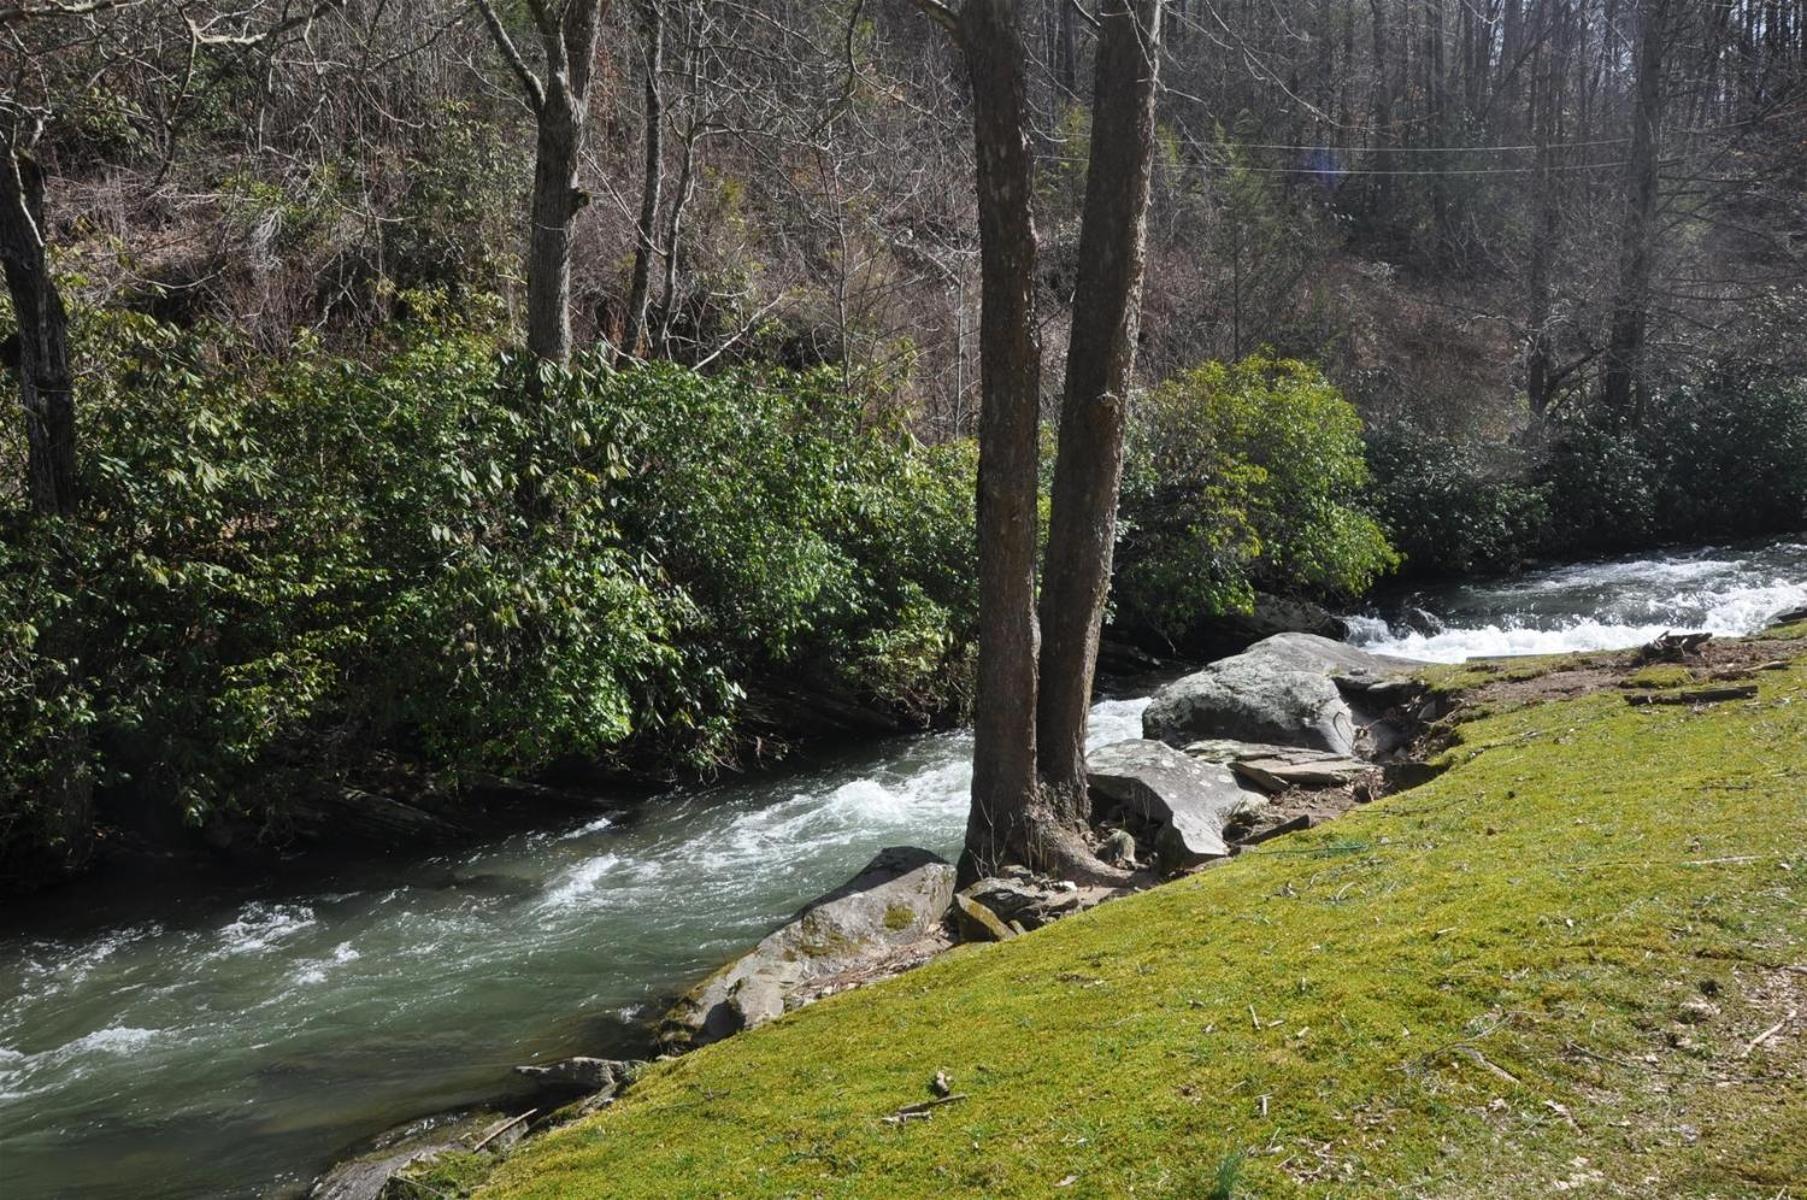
(230, 1043)
(1595, 606)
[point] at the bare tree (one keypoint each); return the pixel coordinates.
(652, 182)
(1101, 358)
(559, 101)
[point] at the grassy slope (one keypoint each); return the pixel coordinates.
(1539, 969)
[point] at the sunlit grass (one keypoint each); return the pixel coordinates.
(1535, 974)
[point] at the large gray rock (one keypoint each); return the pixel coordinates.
(900, 898)
(1294, 689)
(1189, 801)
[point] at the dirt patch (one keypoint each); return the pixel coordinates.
(1714, 662)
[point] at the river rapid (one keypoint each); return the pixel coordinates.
(221, 1041)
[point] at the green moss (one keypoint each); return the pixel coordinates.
(899, 917)
(1460, 677)
(454, 1173)
(1785, 633)
(1536, 973)
(1660, 675)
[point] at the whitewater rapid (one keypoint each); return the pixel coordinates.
(1607, 605)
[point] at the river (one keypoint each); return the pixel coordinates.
(214, 1041)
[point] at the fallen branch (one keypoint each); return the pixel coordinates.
(501, 1129)
(1772, 1031)
(1696, 696)
(922, 1110)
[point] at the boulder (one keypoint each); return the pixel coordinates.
(1188, 802)
(900, 898)
(1294, 689)
(1787, 618)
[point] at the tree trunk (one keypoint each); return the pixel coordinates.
(46, 386)
(1005, 804)
(556, 201)
(559, 102)
(1101, 355)
(1631, 310)
(653, 181)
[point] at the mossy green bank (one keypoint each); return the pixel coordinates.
(1550, 969)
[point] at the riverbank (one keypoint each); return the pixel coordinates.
(1556, 965)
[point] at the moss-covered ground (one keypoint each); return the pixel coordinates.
(1545, 972)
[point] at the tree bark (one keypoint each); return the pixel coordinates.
(652, 183)
(559, 102)
(1631, 309)
(46, 385)
(1005, 804)
(1100, 359)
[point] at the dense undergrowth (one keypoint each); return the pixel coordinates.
(285, 567)
(1547, 970)
(1721, 459)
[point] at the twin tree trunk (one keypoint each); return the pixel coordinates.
(1029, 789)
(1101, 355)
(46, 385)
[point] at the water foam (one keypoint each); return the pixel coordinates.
(1601, 606)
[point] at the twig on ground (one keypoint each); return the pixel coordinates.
(922, 1110)
(1772, 1031)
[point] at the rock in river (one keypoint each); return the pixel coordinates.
(1294, 689)
(901, 898)
(1189, 801)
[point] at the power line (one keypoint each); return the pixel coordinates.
(1326, 170)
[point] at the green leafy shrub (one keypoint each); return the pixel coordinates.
(1721, 459)
(1238, 477)
(290, 567)
(1453, 507)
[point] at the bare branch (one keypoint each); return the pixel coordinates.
(536, 92)
(89, 8)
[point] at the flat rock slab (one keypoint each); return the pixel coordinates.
(901, 897)
(1293, 689)
(1276, 768)
(1189, 801)
(1277, 774)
